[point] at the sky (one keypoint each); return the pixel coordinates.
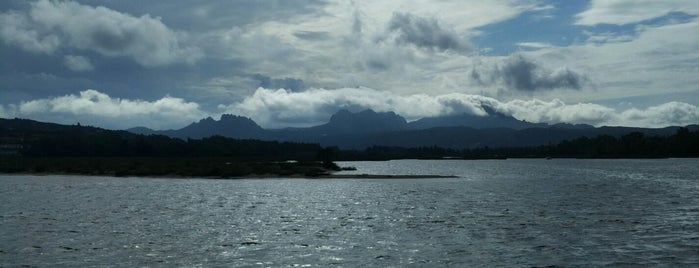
(292, 63)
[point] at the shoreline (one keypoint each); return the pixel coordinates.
(210, 168)
(251, 176)
(353, 176)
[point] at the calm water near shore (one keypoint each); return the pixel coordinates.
(512, 213)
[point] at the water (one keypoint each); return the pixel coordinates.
(511, 213)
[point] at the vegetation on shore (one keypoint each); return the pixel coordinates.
(59, 149)
(213, 167)
(683, 143)
(35, 147)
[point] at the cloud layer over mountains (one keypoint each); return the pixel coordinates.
(283, 108)
(94, 108)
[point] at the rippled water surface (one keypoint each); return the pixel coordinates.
(514, 213)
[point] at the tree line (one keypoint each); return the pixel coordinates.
(683, 143)
(53, 140)
(114, 144)
(59, 149)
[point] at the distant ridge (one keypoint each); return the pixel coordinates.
(23, 137)
(367, 128)
(142, 130)
(232, 126)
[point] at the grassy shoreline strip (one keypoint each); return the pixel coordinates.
(205, 167)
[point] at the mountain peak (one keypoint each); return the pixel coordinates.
(494, 119)
(229, 125)
(365, 121)
(238, 120)
(208, 119)
(341, 114)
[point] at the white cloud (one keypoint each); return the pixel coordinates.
(657, 60)
(49, 25)
(96, 108)
(556, 111)
(671, 113)
(78, 63)
(533, 45)
(17, 29)
(282, 108)
(630, 11)
(607, 37)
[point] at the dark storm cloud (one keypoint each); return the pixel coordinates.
(424, 33)
(523, 74)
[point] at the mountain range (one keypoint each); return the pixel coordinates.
(363, 129)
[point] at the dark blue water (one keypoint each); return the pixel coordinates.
(513, 213)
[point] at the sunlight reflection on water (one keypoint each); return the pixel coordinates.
(501, 212)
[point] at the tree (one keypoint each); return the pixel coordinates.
(327, 155)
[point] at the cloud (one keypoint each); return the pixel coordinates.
(312, 36)
(608, 37)
(520, 73)
(424, 33)
(282, 108)
(96, 108)
(204, 15)
(557, 111)
(78, 63)
(257, 50)
(651, 61)
(17, 29)
(50, 25)
(533, 45)
(630, 11)
(289, 83)
(671, 113)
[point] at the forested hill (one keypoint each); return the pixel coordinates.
(684, 143)
(36, 139)
(31, 138)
